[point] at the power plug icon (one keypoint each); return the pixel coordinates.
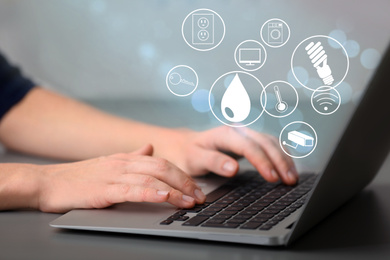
(203, 29)
(203, 35)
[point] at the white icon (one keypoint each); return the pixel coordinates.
(317, 56)
(182, 80)
(325, 100)
(236, 104)
(319, 51)
(299, 139)
(282, 99)
(249, 56)
(204, 22)
(175, 79)
(275, 32)
(203, 28)
(280, 106)
(235, 99)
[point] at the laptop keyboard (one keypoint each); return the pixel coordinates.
(247, 201)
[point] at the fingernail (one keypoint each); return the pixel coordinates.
(199, 195)
(162, 192)
(274, 174)
(229, 167)
(188, 198)
(292, 176)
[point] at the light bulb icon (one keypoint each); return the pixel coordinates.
(317, 56)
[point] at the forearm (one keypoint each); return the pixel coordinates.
(19, 186)
(50, 125)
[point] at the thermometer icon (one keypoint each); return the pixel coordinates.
(280, 106)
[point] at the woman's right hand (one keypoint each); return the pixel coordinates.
(101, 182)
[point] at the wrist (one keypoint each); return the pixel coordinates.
(19, 186)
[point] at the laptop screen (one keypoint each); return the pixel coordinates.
(68, 44)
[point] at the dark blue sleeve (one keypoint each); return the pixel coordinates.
(13, 86)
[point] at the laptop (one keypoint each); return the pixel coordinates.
(348, 171)
(246, 209)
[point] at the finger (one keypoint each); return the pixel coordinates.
(144, 150)
(214, 161)
(168, 173)
(281, 162)
(233, 141)
(118, 193)
(275, 142)
(176, 197)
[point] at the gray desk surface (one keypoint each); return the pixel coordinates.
(359, 230)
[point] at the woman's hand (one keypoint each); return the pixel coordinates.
(101, 182)
(200, 152)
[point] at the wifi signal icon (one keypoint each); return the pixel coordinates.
(325, 100)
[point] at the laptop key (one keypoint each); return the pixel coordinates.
(266, 227)
(194, 209)
(217, 206)
(212, 209)
(215, 221)
(206, 213)
(245, 217)
(195, 221)
(264, 215)
(275, 207)
(182, 218)
(227, 213)
(259, 220)
(236, 220)
(221, 217)
(173, 217)
(166, 222)
(234, 208)
(271, 211)
(223, 225)
(180, 213)
(218, 193)
(248, 212)
(251, 225)
(255, 208)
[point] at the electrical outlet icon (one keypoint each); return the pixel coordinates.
(203, 28)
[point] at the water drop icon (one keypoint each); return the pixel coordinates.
(236, 104)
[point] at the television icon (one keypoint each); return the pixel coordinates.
(249, 56)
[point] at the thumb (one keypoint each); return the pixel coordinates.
(144, 150)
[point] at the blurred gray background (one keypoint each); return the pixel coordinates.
(116, 54)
